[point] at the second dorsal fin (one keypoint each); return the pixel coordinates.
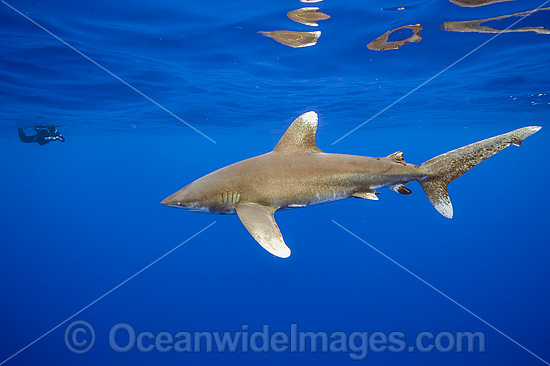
(398, 156)
(300, 136)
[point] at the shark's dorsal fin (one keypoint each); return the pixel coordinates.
(300, 136)
(398, 156)
(260, 223)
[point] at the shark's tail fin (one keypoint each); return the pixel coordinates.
(445, 168)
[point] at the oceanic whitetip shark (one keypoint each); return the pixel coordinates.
(298, 174)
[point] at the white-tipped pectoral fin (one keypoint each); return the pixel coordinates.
(260, 223)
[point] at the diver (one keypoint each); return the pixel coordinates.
(44, 134)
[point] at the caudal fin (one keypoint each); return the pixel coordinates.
(445, 168)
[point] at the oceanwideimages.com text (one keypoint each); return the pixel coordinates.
(80, 337)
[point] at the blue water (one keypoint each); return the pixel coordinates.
(81, 217)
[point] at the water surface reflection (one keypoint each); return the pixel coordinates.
(382, 44)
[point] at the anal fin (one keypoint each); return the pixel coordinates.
(400, 188)
(260, 223)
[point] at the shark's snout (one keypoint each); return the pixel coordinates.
(188, 199)
(178, 199)
(170, 202)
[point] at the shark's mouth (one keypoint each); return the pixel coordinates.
(192, 207)
(175, 206)
(197, 209)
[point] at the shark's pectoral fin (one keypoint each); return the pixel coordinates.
(260, 223)
(370, 195)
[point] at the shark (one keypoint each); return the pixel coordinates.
(296, 173)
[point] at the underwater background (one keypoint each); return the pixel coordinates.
(80, 218)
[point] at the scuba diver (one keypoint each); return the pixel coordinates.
(44, 134)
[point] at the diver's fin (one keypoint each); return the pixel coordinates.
(445, 168)
(260, 223)
(300, 136)
(398, 156)
(370, 195)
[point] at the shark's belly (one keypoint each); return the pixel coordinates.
(285, 192)
(304, 200)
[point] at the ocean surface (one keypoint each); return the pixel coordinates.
(151, 95)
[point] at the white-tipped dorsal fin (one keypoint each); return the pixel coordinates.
(300, 136)
(260, 223)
